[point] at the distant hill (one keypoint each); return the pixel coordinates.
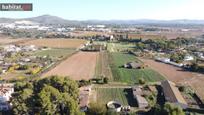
(147, 21)
(44, 19)
(48, 19)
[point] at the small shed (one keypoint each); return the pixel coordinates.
(137, 94)
(141, 102)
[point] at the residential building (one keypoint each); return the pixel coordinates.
(172, 94)
(137, 94)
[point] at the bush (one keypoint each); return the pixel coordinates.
(142, 81)
(97, 109)
(23, 67)
(167, 109)
(11, 69)
(105, 80)
(83, 83)
(21, 77)
(35, 71)
(171, 109)
(181, 88)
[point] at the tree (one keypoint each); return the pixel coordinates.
(142, 81)
(105, 80)
(167, 109)
(157, 110)
(182, 88)
(23, 67)
(22, 102)
(177, 57)
(70, 106)
(54, 95)
(49, 99)
(140, 46)
(171, 109)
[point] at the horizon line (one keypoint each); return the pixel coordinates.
(181, 19)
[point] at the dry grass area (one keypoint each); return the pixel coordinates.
(79, 66)
(56, 43)
(102, 67)
(175, 74)
(164, 34)
(88, 33)
(4, 39)
(7, 40)
(173, 35)
(172, 73)
(144, 36)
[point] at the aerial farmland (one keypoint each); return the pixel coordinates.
(99, 69)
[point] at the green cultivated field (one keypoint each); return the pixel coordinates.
(55, 53)
(124, 96)
(130, 75)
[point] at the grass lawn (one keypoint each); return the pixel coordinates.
(55, 52)
(124, 96)
(131, 75)
(16, 75)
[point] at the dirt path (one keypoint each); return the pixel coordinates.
(177, 75)
(79, 66)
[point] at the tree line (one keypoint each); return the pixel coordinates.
(54, 95)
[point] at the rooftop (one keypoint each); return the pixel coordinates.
(172, 93)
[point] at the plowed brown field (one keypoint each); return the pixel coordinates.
(56, 43)
(79, 66)
(178, 75)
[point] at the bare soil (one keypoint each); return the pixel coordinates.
(7, 40)
(56, 43)
(79, 66)
(178, 75)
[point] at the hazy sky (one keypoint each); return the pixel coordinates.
(112, 9)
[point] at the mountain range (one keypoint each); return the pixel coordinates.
(48, 19)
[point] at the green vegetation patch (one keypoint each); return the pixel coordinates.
(121, 95)
(131, 75)
(46, 96)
